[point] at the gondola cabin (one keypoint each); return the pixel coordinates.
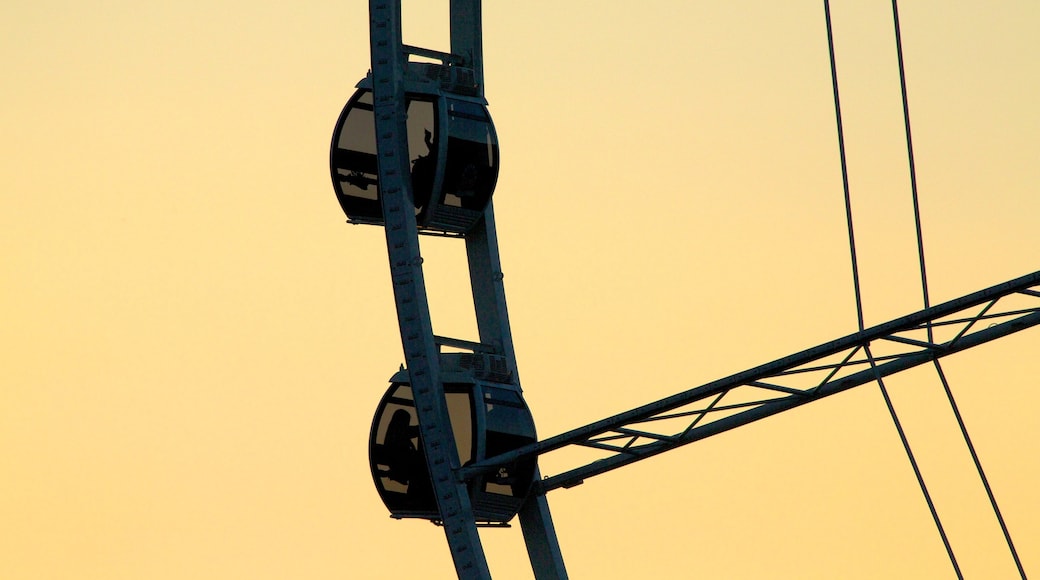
(452, 152)
(487, 418)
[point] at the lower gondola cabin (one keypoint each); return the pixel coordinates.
(487, 419)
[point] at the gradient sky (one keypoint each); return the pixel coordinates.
(194, 341)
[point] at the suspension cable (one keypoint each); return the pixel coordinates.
(844, 165)
(913, 463)
(859, 297)
(910, 156)
(978, 467)
(924, 289)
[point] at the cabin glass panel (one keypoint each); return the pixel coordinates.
(398, 462)
(354, 162)
(509, 426)
(460, 413)
(422, 150)
(397, 457)
(472, 159)
(355, 167)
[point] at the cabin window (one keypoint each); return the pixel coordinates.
(509, 426)
(472, 163)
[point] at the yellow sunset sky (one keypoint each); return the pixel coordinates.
(193, 340)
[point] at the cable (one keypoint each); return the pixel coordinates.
(910, 154)
(913, 463)
(844, 166)
(978, 467)
(924, 289)
(859, 298)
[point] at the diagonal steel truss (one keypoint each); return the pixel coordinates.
(789, 382)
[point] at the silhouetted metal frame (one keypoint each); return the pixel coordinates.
(413, 312)
(489, 300)
(421, 346)
(788, 382)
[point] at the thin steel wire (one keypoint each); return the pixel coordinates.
(924, 290)
(978, 467)
(844, 165)
(910, 156)
(917, 470)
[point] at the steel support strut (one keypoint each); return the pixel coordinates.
(489, 301)
(791, 381)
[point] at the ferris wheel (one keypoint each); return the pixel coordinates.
(415, 152)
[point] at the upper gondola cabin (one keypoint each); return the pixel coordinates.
(452, 152)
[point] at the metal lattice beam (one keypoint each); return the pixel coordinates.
(790, 382)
